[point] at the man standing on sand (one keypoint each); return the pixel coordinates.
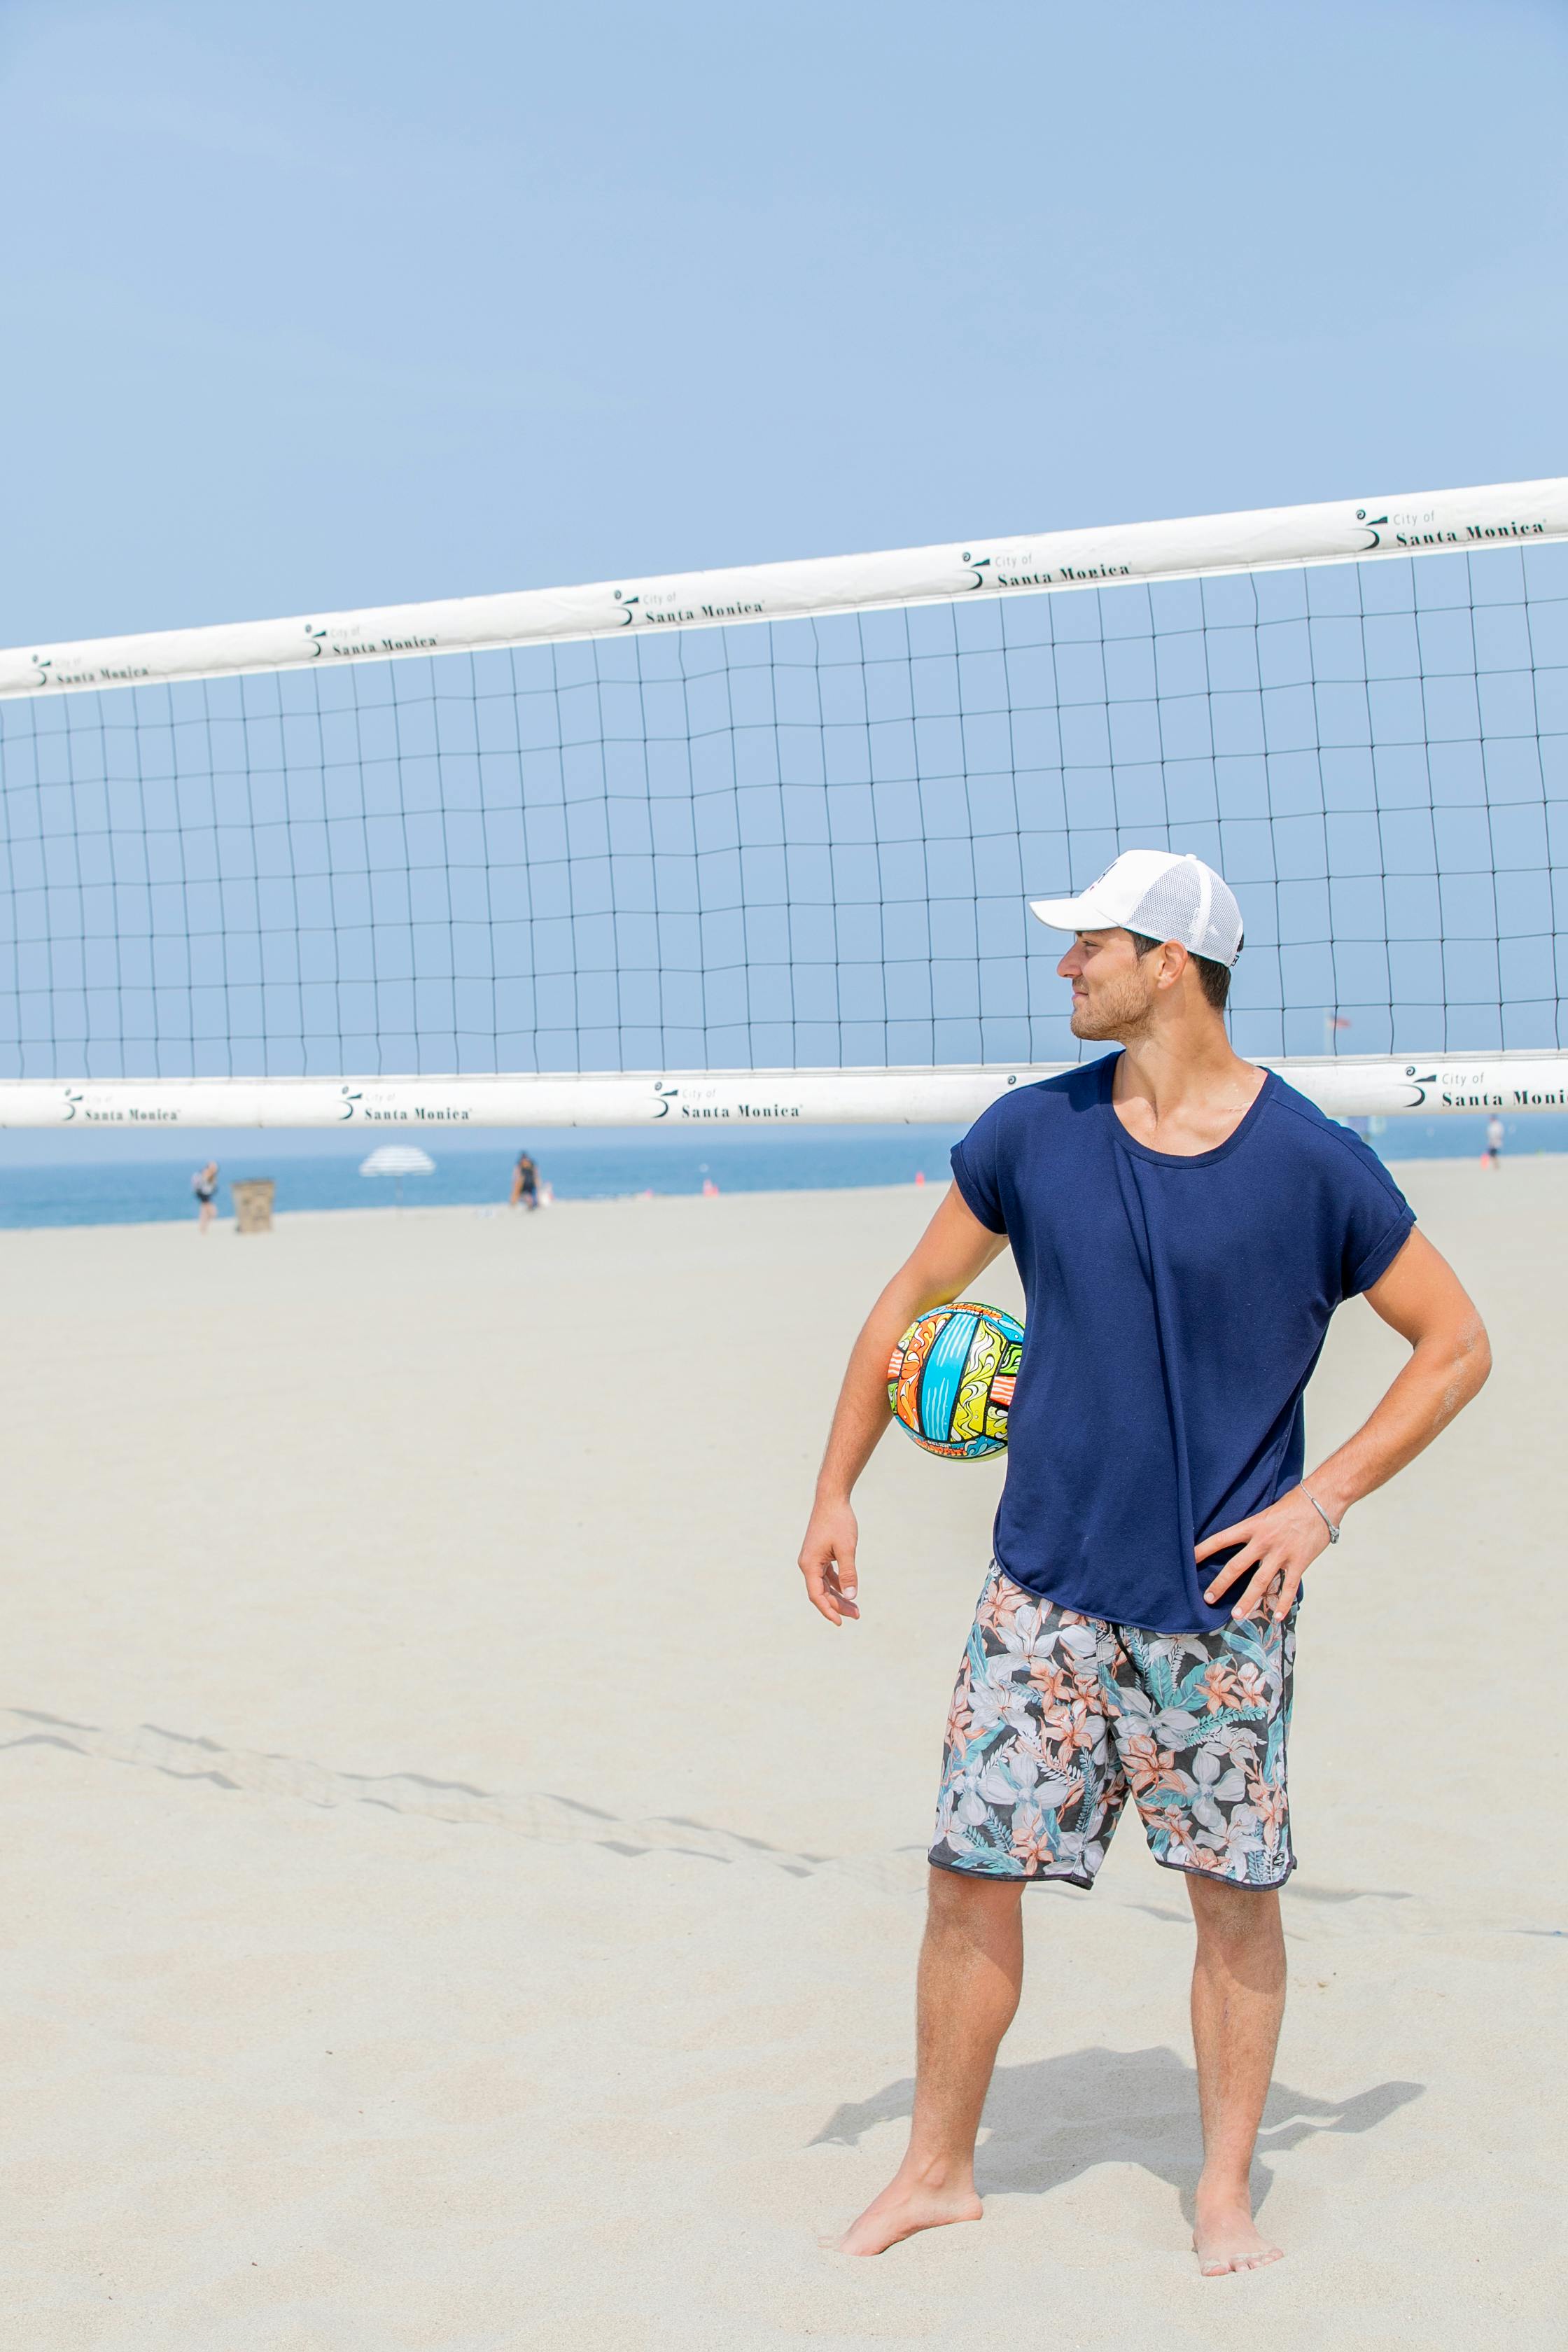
(1496, 1132)
(1185, 1225)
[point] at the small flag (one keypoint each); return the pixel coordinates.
(1339, 1021)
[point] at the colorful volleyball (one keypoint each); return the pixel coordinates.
(951, 1380)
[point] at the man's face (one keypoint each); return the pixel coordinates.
(1112, 984)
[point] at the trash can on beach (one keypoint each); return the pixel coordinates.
(253, 1204)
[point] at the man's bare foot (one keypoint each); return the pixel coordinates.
(1226, 2237)
(904, 2207)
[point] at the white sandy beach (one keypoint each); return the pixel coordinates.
(457, 1897)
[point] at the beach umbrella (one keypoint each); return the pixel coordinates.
(397, 1160)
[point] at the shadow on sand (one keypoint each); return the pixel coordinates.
(1056, 2118)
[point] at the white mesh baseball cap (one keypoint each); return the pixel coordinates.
(1157, 893)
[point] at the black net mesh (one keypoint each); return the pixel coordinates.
(806, 844)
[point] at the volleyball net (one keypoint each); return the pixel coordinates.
(758, 844)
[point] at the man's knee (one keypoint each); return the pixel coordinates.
(1225, 1913)
(956, 1897)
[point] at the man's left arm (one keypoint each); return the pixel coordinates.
(1422, 1299)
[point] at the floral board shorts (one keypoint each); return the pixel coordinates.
(1058, 1717)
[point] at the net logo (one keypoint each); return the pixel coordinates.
(1014, 572)
(45, 673)
(322, 642)
(672, 616)
(681, 617)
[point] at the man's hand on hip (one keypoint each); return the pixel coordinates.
(1420, 1298)
(1278, 1545)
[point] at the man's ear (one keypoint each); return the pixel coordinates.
(1173, 961)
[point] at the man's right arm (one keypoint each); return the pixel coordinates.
(955, 1248)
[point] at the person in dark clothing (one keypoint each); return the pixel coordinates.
(204, 1184)
(1185, 1225)
(525, 1184)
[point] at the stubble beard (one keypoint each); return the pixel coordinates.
(1118, 1012)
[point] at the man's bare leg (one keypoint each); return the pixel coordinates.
(1238, 2000)
(970, 1972)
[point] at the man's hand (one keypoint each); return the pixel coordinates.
(1278, 1545)
(828, 1560)
(1419, 1297)
(954, 1249)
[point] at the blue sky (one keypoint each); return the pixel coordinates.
(311, 307)
(315, 308)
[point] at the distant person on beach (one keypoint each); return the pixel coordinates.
(204, 1184)
(525, 1184)
(1496, 1132)
(1185, 1225)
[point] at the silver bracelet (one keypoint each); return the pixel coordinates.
(1333, 1531)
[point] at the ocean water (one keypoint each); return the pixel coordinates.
(96, 1182)
(95, 1189)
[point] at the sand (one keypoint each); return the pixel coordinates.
(457, 1897)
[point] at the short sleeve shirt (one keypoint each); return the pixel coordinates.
(1175, 1310)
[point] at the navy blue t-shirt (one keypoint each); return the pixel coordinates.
(1175, 1310)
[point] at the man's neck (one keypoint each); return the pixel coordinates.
(1182, 1088)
